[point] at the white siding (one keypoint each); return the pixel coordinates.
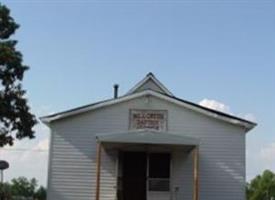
(72, 170)
(150, 85)
(182, 175)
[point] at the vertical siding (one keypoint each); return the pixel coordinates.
(72, 171)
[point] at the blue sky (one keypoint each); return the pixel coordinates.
(216, 50)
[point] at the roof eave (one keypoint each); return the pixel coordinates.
(209, 112)
(49, 118)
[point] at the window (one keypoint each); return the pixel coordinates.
(159, 172)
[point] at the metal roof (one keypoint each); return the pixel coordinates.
(166, 95)
(148, 137)
(210, 112)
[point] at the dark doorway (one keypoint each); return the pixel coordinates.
(134, 175)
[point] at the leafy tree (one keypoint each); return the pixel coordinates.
(41, 193)
(16, 121)
(5, 191)
(262, 187)
(22, 189)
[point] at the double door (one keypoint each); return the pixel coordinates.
(143, 172)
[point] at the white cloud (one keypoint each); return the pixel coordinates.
(29, 158)
(222, 107)
(42, 145)
(214, 104)
(259, 157)
(248, 116)
(268, 155)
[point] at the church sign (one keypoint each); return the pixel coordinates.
(148, 119)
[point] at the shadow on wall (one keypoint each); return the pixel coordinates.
(73, 166)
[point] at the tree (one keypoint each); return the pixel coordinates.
(5, 191)
(16, 121)
(41, 193)
(262, 187)
(22, 189)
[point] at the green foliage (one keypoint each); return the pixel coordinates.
(41, 193)
(22, 188)
(262, 187)
(5, 191)
(16, 121)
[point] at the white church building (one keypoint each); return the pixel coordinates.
(146, 145)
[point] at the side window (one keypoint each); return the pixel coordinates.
(159, 172)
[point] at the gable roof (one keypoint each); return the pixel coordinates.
(150, 82)
(248, 125)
